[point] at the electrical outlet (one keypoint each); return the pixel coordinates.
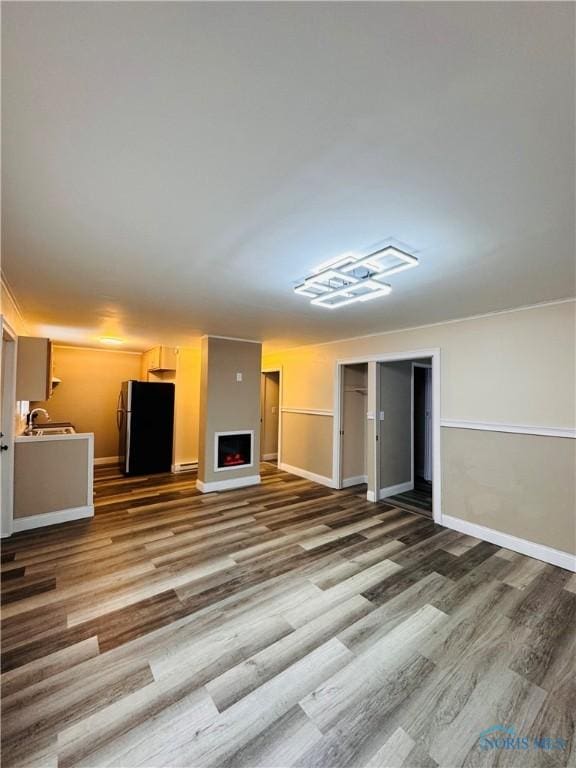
(239, 376)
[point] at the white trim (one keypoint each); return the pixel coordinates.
(393, 490)
(506, 540)
(270, 457)
(52, 518)
(98, 349)
(184, 466)
(106, 460)
(389, 357)
(8, 367)
(350, 481)
(14, 301)
(496, 313)
(90, 486)
(370, 496)
(520, 429)
(229, 338)
(227, 485)
(309, 411)
(230, 433)
(321, 479)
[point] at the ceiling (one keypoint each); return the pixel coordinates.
(174, 169)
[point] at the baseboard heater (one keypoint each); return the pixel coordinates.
(185, 466)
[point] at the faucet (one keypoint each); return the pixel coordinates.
(32, 415)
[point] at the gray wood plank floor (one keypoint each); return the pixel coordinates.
(281, 625)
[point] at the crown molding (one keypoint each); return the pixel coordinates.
(13, 300)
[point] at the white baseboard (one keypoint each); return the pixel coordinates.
(185, 466)
(358, 480)
(52, 518)
(269, 457)
(392, 490)
(321, 479)
(370, 496)
(227, 485)
(525, 547)
(106, 460)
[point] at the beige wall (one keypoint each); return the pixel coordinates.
(513, 368)
(187, 413)
(88, 394)
(396, 429)
(519, 484)
(227, 404)
(307, 442)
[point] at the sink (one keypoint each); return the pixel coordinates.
(41, 431)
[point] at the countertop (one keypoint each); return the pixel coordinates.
(51, 438)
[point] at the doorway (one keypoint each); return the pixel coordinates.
(7, 423)
(269, 415)
(406, 452)
(353, 468)
(391, 448)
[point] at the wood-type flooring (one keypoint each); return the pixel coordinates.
(285, 624)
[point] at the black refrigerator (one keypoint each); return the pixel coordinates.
(145, 417)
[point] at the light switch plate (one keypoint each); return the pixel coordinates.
(381, 415)
(239, 376)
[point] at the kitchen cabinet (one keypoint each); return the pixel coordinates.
(33, 368)
(162, 359)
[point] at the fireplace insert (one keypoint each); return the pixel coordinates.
(233, 450)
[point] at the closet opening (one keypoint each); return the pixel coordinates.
(353, 430)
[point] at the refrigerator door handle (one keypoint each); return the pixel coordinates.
(119, 412)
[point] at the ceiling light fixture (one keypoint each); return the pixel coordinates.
(110, 340)
(354, 277)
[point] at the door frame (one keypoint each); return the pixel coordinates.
(373, 408)
(277, 370)
(419, 365)
(339, 473)
(8, 406)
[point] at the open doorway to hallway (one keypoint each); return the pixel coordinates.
(269, 415)
(405, 428)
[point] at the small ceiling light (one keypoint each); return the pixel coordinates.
(110, 340)
(354, 277)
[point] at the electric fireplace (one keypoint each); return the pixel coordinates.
(233, 450)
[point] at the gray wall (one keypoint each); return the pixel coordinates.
(396, 429)
(226, 404)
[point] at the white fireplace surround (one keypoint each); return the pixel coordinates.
(218, 435)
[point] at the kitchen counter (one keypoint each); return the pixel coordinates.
(49, 438)
(53, 479)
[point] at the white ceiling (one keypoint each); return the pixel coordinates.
(173, 169)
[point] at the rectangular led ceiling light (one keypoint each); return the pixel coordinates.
(352, 278)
